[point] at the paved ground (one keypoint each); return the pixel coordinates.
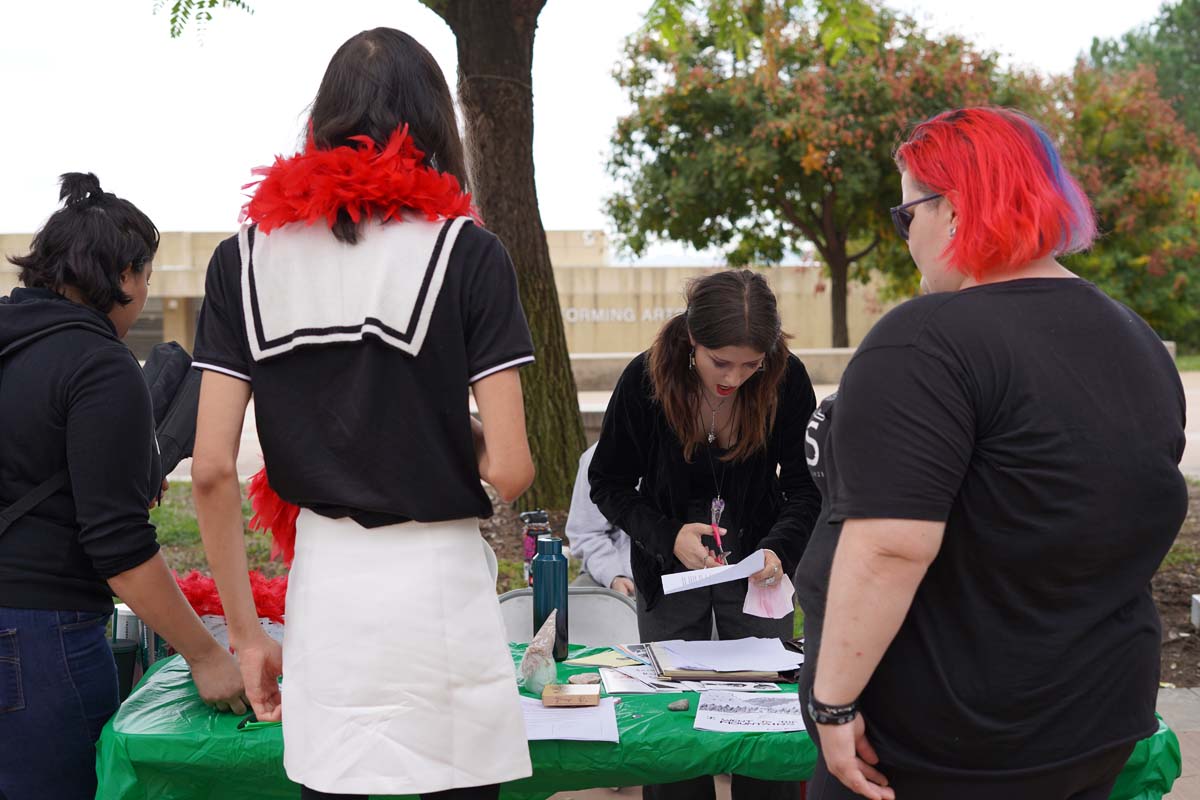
(1181, 709)
(631, 792)
(1191, 457)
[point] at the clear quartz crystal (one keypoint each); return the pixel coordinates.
(718, 508)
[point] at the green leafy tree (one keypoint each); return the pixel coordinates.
(495, 68)
(762, 126)
(1139, 164)
(1170, 45)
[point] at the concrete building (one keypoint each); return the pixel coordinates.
(607, 308)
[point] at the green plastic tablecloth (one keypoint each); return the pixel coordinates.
(165, 744)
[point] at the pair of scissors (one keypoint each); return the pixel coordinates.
(718, 508)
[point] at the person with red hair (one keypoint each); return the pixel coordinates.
(1000, 480)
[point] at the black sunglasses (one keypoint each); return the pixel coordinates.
(902, 218)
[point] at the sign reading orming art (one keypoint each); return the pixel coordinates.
(573, 315)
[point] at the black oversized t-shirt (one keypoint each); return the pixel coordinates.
(1043, 422)
(360, 428)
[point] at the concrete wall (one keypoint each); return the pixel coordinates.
(621, 309)
(606, 308)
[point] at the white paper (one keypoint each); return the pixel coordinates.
(699, 578)
(576, 724)
(617, 682)
(733, 655)
(729, 712)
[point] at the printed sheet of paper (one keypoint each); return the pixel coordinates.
(617, 682)
(738, 712)
(738, 686)
(638, 652)
(581, 724)
(699, 578)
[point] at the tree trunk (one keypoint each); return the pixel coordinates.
(838, 259)
(839, 270)
(495, 61)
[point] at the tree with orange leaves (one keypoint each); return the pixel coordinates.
(756, 131)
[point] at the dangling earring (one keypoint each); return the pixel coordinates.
(952, 230)
(692, 359)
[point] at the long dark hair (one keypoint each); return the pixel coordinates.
(377, 81)
(728, 308)
(88, 243)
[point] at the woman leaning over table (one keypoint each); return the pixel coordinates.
(712, 416)
(1000, 478)
(75, 421)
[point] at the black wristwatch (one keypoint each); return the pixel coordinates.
(823, 714)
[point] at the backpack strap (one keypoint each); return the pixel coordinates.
(56, 481)
(33, 498)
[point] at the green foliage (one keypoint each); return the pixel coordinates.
(1170, 45)
(1141, 167)
(184, 12)
(1188, 363)
(1181, 555)
(763, 126)
(179, 535)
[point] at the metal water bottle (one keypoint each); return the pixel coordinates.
(550, 590)
(537, 523)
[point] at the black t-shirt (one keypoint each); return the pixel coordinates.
(1043, 422)
(360, 428)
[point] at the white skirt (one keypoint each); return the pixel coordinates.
(396, 675)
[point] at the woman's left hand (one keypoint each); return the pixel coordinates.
(851, 759)
(771, 573)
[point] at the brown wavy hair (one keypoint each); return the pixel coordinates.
(727, 308)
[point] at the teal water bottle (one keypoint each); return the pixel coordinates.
(549, 572)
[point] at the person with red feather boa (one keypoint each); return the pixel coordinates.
(359, 304)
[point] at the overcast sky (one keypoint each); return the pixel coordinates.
(176, 125)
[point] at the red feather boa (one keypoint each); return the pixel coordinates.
(201, 592)
(362, 181)
(274, 514)
(317, 184)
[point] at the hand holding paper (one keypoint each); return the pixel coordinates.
(770, 602)
(698, 578)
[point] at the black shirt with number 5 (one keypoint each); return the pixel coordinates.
(1043, 422)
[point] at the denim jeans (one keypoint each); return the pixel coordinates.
(58, 686)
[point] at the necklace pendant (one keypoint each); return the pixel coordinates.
(718, 508)
(712, 437)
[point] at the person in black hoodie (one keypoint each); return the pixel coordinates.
(78, 472)
(711, 422)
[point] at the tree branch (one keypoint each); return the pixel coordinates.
(792, 215)
(860, 254)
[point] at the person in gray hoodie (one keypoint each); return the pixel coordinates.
(601, 546)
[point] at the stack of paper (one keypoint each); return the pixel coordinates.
(579, 724)
(733, 655)
(644, 680)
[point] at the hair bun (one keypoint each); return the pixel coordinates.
(79, 187)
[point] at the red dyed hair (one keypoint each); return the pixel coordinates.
(1014, 200)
